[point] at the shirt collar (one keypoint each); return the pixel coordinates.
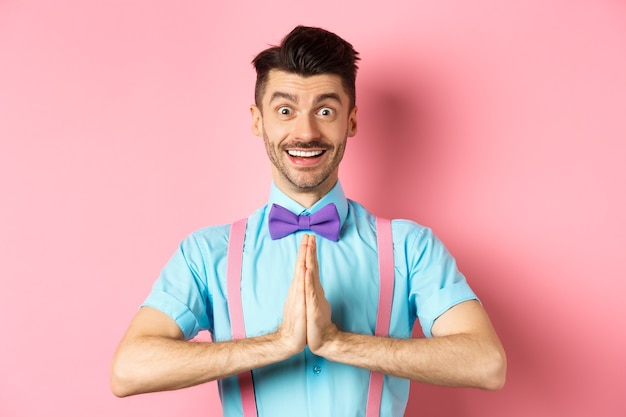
(335, 195)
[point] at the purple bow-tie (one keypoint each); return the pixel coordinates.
(324, 222)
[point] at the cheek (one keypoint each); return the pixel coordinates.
(276, 131)
(339, 132)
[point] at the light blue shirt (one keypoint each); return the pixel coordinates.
(192, 290)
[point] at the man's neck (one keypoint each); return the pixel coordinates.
(306, 198)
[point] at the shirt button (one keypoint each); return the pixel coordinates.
(317, 370)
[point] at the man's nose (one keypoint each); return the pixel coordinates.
(306, 128)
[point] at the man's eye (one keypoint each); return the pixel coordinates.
(326, 111)
(284, 111)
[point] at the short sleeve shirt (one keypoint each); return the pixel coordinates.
(192, 290)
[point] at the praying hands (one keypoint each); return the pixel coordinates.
(307, 313)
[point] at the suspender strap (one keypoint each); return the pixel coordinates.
(385, 298)
(235, 309)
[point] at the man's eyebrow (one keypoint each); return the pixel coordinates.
(287, 96)
(328, 96)
(294, 99)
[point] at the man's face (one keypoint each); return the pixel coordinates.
(305, 123)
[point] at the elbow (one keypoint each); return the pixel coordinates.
(121, 380)
(119, 387)
(494, 371)
(119, 390)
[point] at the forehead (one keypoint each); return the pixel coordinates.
(303, 88)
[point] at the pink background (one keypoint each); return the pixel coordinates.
(124, 125)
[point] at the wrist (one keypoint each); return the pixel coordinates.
(330, 343)
(285, 344)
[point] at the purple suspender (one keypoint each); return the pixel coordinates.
(235, 310)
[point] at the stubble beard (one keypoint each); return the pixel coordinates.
(302, 178)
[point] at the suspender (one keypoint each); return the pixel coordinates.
(235, 309)
(383, 318)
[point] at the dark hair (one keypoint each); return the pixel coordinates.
(308, 51)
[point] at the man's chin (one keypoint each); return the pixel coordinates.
(312, 184)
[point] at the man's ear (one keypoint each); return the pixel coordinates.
(352, 124)
(257, 120)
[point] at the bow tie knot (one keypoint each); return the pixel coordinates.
(324, 222)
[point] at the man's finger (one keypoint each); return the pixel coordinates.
(311, 258)
(302, 251)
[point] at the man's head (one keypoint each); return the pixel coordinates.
(308, 51)
(305, 110)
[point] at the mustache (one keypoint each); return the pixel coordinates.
(306, 145)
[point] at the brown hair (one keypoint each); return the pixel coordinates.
(308, 51)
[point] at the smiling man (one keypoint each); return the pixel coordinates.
(305, 122)
(311, 300)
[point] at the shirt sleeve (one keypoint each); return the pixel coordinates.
(181, 290)
(435, 282)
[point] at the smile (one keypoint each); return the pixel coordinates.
(304, 154)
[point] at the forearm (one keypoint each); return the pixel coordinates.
(156, 363)
(454, 360)
(153, 356)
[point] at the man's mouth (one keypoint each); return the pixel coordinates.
(304, 154)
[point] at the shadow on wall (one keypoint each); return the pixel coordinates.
(408, 123)
(401, 131)
(399, 138)
(412, 123)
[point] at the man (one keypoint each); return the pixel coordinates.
(309, 299)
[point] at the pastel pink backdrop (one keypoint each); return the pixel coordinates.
(124, 125)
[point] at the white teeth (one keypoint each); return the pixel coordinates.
(305, 154)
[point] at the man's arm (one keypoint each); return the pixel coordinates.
(464, 350)
(456, 355)
(153, 356)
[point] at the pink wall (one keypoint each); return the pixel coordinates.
(501, 124)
